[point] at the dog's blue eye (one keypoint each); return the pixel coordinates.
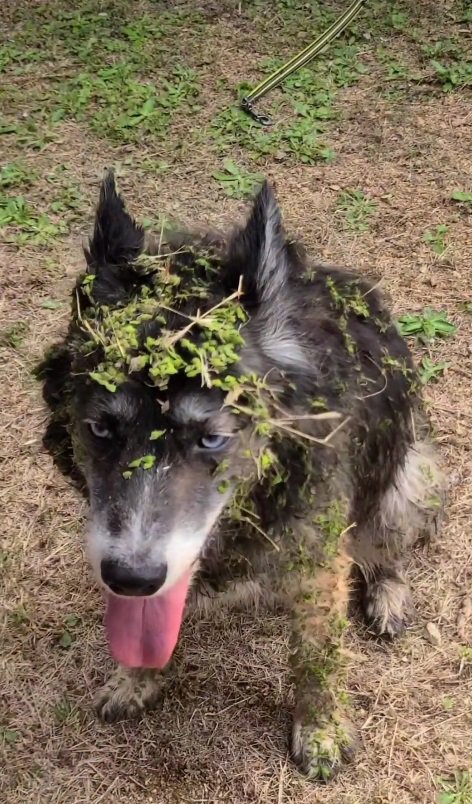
(213, 441)
(99, 430)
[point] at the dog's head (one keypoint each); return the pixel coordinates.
(167, 359)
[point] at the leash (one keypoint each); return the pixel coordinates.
(302, 58)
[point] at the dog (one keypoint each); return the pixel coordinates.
(247, 425)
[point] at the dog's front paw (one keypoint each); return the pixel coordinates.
(321, 748)
(386, 603)
(127, 694)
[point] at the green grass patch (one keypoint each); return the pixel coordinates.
(9, 736)
(63, 710)
(119, 105)
(462, 197)
(394, 68)
(357, 209)
(301, 109)
(235, 182)
(457, 790)
(451, 67)
(25, 225)
(67, 199)
(15, 174)
(297, 140)
(19, 616)
(96, 39)
(285, 18)
(120, 73)
(14, 335)
(34, 134)
(15, 58)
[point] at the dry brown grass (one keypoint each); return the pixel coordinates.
(220, 734)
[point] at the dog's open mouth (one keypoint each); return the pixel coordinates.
(143, 631)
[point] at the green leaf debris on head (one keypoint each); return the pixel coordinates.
(156, 434)
(206, 345)
(144, 462)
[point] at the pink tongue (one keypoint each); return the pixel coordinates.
(143, 632)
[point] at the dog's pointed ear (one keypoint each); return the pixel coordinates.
(261, 255)
(259, 250)
(116, 239)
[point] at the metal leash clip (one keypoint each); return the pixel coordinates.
(259, 117)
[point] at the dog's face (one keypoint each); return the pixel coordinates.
(151, 521)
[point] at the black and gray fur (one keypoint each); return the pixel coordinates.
(357, 490)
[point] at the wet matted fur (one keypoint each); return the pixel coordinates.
(243, 418)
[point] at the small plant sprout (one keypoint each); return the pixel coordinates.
(452, 76)
(429, 371)
(63, 710)
(436, 238)
(14, 335)
(67, 637)
(27, 226)
(426, 326)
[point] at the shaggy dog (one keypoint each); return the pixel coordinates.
(247, 425)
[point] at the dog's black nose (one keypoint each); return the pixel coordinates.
(138, 582)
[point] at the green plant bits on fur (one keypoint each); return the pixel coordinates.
(222, 467)
(87, 284)
(350, 299)
(156, 434)
(109, 378)
(145, 462)
(212, 350)
(332, 524)
(319, 404)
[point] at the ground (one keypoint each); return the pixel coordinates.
(370, 152)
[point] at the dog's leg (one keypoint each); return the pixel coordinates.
(385, 595)
(127, 693)
(409, 509)
(322, 737)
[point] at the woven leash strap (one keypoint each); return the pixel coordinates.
(298, 61)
